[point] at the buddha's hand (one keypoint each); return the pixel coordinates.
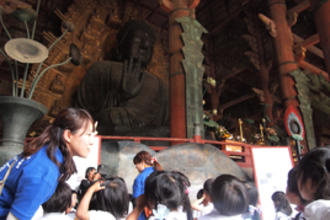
(132, 77)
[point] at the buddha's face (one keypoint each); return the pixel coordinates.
(139, 46)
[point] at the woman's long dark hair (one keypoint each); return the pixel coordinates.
(72, 119)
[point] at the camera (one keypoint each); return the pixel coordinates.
(103, 170)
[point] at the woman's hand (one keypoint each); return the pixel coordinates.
(82, 210)
(97, 186)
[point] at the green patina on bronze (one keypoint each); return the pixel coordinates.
(312, 93)
(194, 70)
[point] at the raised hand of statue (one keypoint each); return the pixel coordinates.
(132, 76)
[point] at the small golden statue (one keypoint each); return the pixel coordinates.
(240, 124)
(261, 141)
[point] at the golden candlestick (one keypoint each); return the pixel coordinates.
(240, 124)
(262, 136)
(263, 122)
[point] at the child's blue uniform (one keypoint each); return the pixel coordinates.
(32, 181)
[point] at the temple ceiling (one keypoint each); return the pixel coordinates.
(233, 29)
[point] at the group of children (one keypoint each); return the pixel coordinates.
(160, 194)
(37, 178)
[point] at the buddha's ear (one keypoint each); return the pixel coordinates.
(327, 165)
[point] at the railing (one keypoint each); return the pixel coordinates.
(239, 152)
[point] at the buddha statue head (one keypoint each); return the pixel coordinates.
(135, 41)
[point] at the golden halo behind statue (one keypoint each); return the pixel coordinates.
(26, 50)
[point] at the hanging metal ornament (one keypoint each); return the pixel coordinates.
(294, 126)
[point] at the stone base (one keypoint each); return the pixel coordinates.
(197, 161)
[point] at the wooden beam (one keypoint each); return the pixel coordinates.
(302, 6)
(177, 9)
(285, 57)
(311, 41)
(204, 6)
(312, 49)
(10, 6)
(305, 65)
(156, 9)
(232, 15)
(233, 73)
(321, 13)
(236, 101)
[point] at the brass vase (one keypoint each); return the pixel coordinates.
(17, 115)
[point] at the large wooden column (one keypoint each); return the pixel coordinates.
(321, 10)
(285, 56)
(176, 9)
(287, 64)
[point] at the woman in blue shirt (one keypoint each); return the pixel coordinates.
(145, 164)
(43, 162)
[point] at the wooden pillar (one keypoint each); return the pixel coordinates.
(176, 9)
(285, 56)
(286, 62)
(321, 10)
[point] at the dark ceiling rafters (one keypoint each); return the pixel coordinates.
(212, 14)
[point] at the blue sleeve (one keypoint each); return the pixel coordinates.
(31, 192)
(138, 186)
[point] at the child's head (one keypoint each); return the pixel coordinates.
(104, 171)
(207, 188)
(253, 194)
(90, 173)
(74, 201)
(292, 192)
(313, 173)
(281, 203)
(229, 195)
(200, 194)
(114, 198)
(169, 188)
(60, 200)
